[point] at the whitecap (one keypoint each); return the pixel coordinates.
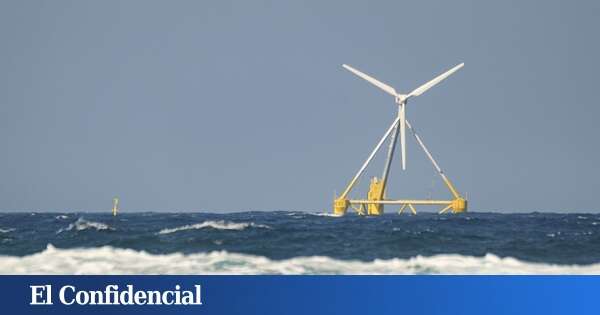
(81, 224)
(110, 260)
(6, 230)
(325, 214)
(61, 217)
(219, 225)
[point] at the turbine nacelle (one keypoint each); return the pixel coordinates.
(401, 99)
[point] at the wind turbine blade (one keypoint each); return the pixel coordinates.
(403, 135)
(388, 89)
(420, 90)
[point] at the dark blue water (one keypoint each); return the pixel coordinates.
(534, 237)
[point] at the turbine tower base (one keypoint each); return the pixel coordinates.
(375, 193)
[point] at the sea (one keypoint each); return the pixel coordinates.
(285, 242)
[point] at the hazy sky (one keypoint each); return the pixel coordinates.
(234, 106)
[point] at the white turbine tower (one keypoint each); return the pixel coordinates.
(402, 99)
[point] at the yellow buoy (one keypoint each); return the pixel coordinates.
(115, 208)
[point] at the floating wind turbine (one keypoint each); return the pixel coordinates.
(402, 99)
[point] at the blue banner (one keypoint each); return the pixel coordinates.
(299, 294)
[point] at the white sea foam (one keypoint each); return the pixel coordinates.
(325, 214)
(219, 225)
(6, 230)
(61, 217)
(109, 260)
(296, 215)
(82, 224)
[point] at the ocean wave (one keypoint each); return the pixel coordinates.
(109, 260)
(219, 225)
(82, 224)
(296, 215)
(325, 214)
(61, 217)
(6, 230)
